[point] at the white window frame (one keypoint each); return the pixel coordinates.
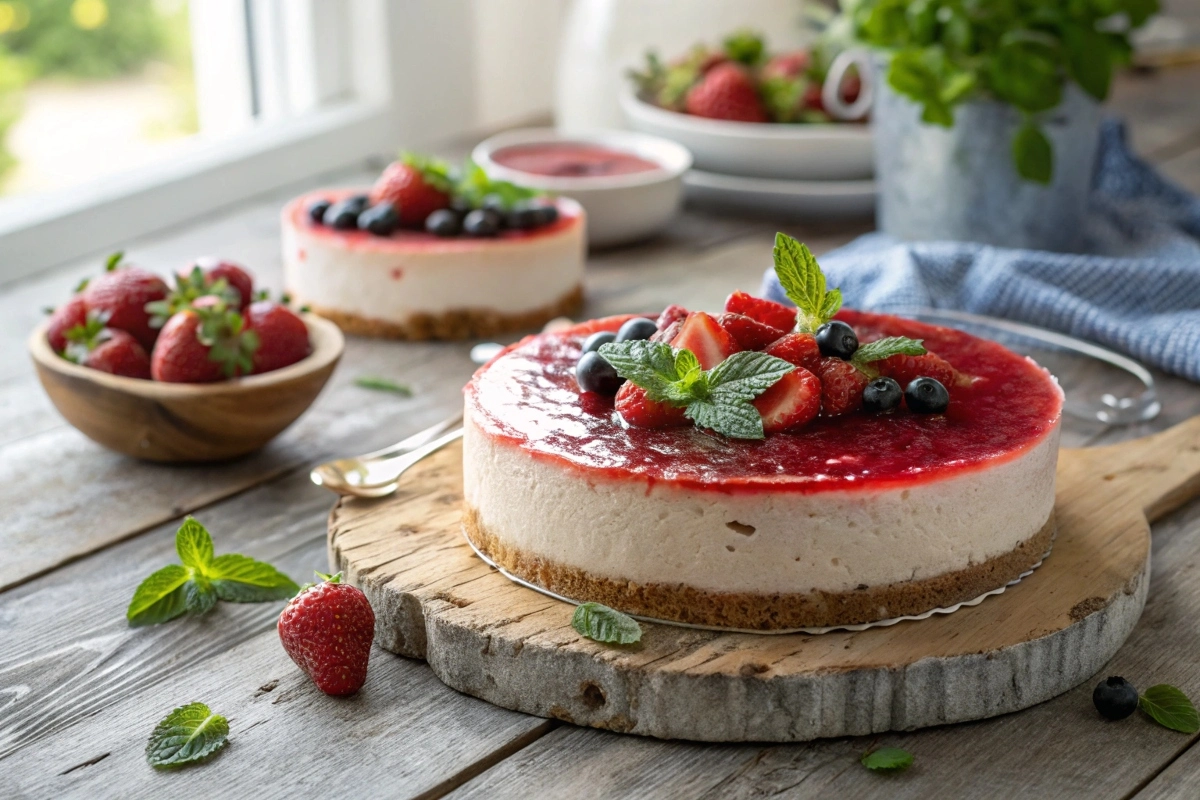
(407, 73)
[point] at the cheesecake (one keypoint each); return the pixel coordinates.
(854, 514)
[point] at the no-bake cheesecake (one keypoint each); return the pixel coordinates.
(830, 511)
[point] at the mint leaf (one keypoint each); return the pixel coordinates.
(1170, 708)
(199, 594)
(746, 375)
(888, 347)
(804, 283)
(188, 735)
(194, 545)
(159, 598)
(650, 365)
(382, 385)
(888, 759)
(241, 579)
(736, 419)
(603, 624)
(1033, 153)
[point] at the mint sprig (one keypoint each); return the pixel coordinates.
(887, 759)
(865, 356)
(603, 624)
(188, 735)
(803, 282)
(718, 399)
(195, 585)
(1170, 708)
(474, 185)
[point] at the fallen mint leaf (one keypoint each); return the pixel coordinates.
(241, 579)
(1170, 708)
(382, 385)
(189, 734)
(888, 759)
(603, 624)
(159, 598)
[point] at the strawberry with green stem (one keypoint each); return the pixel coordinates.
(205, 343)
(94, 345)
(327, 629)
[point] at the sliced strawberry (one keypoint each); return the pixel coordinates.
(668, 333)
(797, 348)
(767, 312)
(842, 386)
(671, 314)
(67, 316)
(706, 338)
(750, 334)
(905, 369)
(793, 402)
(642, 412)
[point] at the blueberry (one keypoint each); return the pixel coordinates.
(317, 209)
(523, 217)
(494, 202)
(379, 219)
(837, 340)
(461, 204)
(926, 396)
(343, 214)
(882, 394)
(593, 342)
(547, 212)
(444, 222)
(481, 222)
(597, 375)
(1115, 698)
(636, 329)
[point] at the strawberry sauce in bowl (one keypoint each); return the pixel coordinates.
(572, 160)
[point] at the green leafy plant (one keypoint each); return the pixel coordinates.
(1020, 52)
(887, 759)
(188, 735)
(603, 624)
(195, 585)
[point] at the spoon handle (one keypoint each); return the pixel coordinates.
(388, 470)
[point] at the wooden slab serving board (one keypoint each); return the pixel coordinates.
(489, 637)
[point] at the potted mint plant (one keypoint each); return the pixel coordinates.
(987, 114)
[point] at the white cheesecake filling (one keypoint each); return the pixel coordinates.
(390, 283)
(760, 542)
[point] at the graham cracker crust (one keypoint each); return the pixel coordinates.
(764, 612)
(460, 323)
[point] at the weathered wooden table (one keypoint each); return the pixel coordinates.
(80, 527)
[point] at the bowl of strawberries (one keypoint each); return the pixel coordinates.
(744, 111)
(206, 370)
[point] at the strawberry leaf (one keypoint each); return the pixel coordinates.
(160, 597)
(603, 624)
(802, 280)
(113, 261)
(188, 735)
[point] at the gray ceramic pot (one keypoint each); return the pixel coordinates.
(961, 184)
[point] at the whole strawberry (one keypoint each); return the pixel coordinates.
(842, 386)
(415, 186)
(203, 344)
(327, 630)
(726, 92)
(122, 293)
(282, 335)
(106, 349)
(67, 316)
(234, 275)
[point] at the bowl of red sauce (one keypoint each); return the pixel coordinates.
(630, 184)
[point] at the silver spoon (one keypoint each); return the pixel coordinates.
(378, 474)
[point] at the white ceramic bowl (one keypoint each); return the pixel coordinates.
(620, 208)
(839, 151)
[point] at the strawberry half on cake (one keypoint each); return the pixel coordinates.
(428, 253)
(766, 468)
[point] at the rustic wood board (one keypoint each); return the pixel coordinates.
(514, 647)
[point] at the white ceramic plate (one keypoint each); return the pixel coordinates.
(833, 152)
(811, 198)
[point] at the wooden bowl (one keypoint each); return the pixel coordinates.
(187, 422)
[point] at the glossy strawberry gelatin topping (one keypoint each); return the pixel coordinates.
(528, 397)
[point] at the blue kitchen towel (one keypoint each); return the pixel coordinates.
(1135, 289)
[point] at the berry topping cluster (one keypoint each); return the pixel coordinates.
(418, 192)
(761, 367)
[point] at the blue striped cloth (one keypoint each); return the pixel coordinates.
(1136, 289)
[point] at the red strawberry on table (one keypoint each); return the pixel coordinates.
(640, 411)
(797, 348)
(704, 336)
(416, 186)
(106, 349)
(750, 334)
(767, 312)
(726, 92)
(67, 316)
(327, 630)
(842, 386)
(123, 292)
(282, 335)
(202, 345)
(793, 402)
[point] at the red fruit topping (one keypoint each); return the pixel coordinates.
(118, 353)
(123, 294)
(671, 314)
(750, 334)
(327, 630)
(797, 348)
(235, 276)
(282, 335)
(67, 316)
(416, 187)
(202, 345)
(642, 412)
(668, 333)
(793, 402)
(787, 65)
(726, 92)
(841, 386)
(905, 369)
(767, 312)
(706, 338)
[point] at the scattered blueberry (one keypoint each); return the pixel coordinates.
(636, 329)
(926, 396)
(837, 340)
(882, 394)
(592, 343)
(444, 222)
(343, 214)
(1115, 698)
(379, 219)
(481, 222)
(317, 209)
(597, 375)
